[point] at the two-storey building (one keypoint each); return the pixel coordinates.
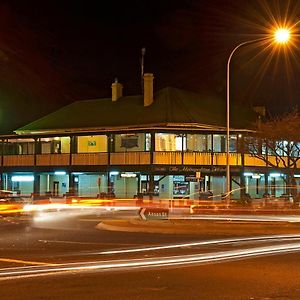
(170, 143)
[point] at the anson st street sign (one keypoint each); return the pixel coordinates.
(152, 213)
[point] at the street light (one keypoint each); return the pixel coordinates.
(281, 36)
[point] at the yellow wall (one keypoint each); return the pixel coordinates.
(93, 143)
(65, 144)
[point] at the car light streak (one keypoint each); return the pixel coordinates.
(18, 261)
(278, 238)
(57, 207)
(246, 218)
(144, 263)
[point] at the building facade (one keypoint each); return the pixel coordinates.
(170, 144)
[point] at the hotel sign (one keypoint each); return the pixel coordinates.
(176, 169)
(185, 169)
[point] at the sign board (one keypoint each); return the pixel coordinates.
(191, 178)
(153, 213)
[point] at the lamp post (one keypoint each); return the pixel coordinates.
(281, 36)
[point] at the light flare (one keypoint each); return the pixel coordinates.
(282, 35)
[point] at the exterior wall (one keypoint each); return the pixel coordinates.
(125, 187)
(166, 187)
(63, 185)
(90, 185)
(194, 190)
(172, 150)
(65, 144)
(217, 186)
(44, 184)
(26, 188)
(92, 143)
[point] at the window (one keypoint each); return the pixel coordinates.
(54, 145)
(199, 142)
(232, 143)
(170, 142)
(148, 142)
(18, 146)
(131, 142)
(219, 143)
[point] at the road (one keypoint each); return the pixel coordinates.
(71, 259)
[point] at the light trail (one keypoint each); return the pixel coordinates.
(245, 218)
(144, 263)
(18, 261)
(278, 238)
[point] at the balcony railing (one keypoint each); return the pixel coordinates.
(219, 159)
(197, 158)
(90, 159)
(18, 160)
(137, 158)
(167, 158)
(130, 158)
(53, 159)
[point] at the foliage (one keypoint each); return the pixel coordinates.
(277, 143)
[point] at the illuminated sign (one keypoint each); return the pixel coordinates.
(128, 175)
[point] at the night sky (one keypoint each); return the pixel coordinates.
(55, 52)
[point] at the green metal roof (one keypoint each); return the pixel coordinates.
(170, 105)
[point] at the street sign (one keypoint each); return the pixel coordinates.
(153, 213)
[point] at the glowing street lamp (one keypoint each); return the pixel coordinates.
(280, 36)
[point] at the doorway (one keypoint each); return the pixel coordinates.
(55, 188)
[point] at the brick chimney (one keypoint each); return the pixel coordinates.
(148, 89)
(116, 90)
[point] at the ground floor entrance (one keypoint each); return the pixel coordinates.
(130, 184)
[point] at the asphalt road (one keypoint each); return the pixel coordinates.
(70, 259)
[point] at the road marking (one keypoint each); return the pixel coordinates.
(27, 262)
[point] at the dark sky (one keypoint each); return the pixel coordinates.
(55, 52)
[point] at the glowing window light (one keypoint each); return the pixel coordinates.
(114, 173)
(275, 175)
(256, 176)
(22, 178)
(60, 173)
(248, 174)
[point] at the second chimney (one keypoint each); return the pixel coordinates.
(148, 89)
(116, 90)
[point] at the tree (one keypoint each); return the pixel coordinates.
(277, 143)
